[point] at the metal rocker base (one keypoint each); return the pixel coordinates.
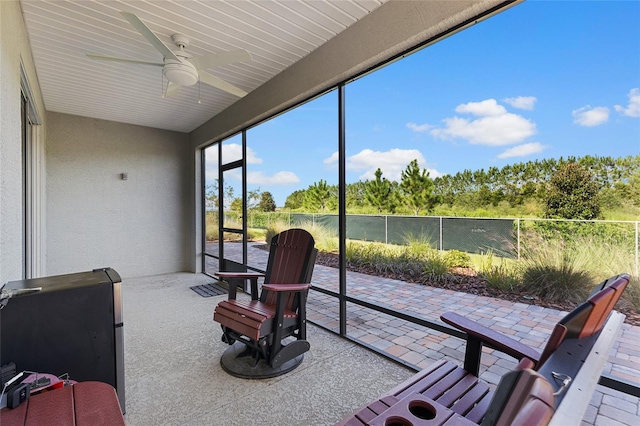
(238, 361)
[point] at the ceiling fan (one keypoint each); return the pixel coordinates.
(180, 68)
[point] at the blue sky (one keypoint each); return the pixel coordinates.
(543, 79)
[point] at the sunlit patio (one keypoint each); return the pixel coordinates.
(173, 373)
(169, 328)
(98, 169)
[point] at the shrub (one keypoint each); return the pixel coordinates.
(254, 234)
(417, 242)
(458, 258)
(503, 275)
(572, 193)
(614, 233)
(371, 255)
(436, 267)
(211, 226)
(420, 263)
(561, 283)
(325, 238)
(554, 271)
(632, 293)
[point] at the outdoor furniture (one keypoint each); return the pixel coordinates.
(256, 329)
(445, 394)
(81, 404)
(574, 355)
(584, 321)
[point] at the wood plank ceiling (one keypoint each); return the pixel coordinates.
(276, 33)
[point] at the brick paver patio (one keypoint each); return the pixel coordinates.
(420, 346)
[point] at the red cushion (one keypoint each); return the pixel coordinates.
(83, 404)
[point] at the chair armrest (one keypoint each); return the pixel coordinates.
(490, 337)
(286, 287)
(239, 275)
(251, 276)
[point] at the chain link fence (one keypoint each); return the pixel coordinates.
(505, 237)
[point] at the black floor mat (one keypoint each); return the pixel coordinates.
(208, 290)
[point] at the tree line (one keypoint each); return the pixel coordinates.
(574, 188)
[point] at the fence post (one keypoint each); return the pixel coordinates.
(637, 273)
(441, 247)
(386, 229)
(518, 238)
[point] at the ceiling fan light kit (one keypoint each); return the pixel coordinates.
(182, 73)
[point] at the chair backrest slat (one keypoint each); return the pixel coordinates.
(589, 317)
(618, 287)
(291, 258)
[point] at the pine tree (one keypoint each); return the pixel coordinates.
(267, 203)
(417, 188)
(378, 193)
(317, 196)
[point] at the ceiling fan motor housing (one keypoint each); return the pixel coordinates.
(178, 67)
(182, 73)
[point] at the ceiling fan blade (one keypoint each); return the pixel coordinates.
(219, 83)
(219, 59)
(133, 61)
(149, 35)
(172, 90)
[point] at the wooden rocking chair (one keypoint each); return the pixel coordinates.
(530, 395)
(585, 320)
(256, 329)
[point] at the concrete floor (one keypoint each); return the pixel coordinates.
(173, 374)
(173, 347)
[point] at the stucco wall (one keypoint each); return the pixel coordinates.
(14, 48)
(139, 226)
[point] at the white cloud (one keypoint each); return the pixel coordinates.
(523, 150)
(230, 152)
(233, 151)
(391, 162)
(633, 109)
(486, 108)
(332, 159)
(211, 163)
(419, 127)
(590, 117)
(280, 178)
(522, 102)
(495, 127)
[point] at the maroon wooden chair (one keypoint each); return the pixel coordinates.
(446, 393)
(440, 396)
(585, 320)
(267, 334)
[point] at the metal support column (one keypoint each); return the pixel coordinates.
(342, 211)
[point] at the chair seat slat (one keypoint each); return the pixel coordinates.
(459, 390)
(424, 382)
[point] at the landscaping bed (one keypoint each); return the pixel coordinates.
(466, 280)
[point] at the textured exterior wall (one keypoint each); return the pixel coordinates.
(14, 48)
(139, 226)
